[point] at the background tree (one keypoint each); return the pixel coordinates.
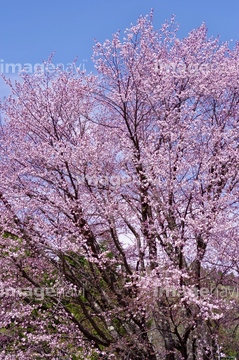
(147, 151)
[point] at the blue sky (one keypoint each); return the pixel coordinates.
(31, 30)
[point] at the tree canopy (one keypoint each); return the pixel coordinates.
(119, 203)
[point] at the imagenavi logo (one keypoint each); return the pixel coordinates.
(16, 68)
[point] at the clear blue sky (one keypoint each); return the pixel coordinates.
(30, 30)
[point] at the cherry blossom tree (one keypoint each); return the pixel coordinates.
(119, 203)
